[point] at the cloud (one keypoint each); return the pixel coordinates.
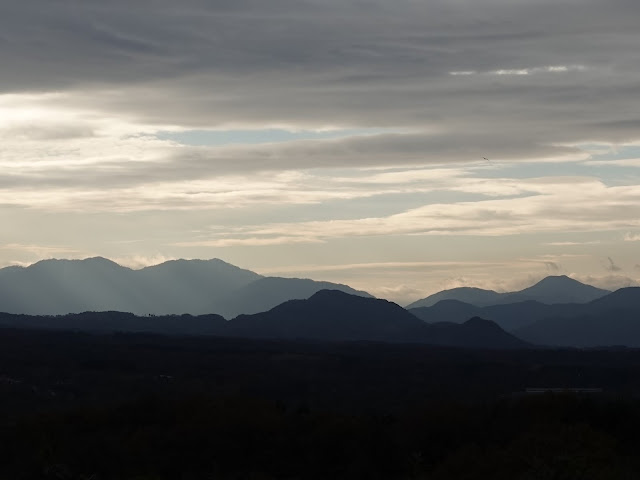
(608, 282)
(248, 242)
(142, 261)
(90, 88)
(40, 251)
(632, 237)
(335, 63)
(525, 71)
(582, 206)
(552, 266)
(612, 267)
(394, 266)
(572, 244)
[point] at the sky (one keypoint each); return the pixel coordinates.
(400, 147)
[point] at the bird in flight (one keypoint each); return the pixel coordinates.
(487, 159)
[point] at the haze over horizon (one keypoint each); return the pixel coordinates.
(339, 141)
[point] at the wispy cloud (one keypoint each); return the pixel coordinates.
(611, 265)
(39, 250)
(554, 208)
(572, 244)
(535, 70)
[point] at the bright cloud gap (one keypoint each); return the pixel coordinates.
(522, 71)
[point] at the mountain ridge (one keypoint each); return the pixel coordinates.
(549, 290)
(328, 315)
(197, 287)
(338, 316)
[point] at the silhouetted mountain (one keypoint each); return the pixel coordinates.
(56, 287)
(550, 290)
(332, 315)
(560, 289)
(610, 320)
(335, 315)
(477, 333)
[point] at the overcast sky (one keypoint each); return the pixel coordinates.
(336, 140)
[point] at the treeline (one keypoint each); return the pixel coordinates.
(550, 436)
(104, 407)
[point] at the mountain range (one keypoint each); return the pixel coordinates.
(195, 297)
(613, 319)
(196, 287)
(550, 290)
(328, 315)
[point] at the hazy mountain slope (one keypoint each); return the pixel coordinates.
(509, 316)
(624, 298)
(191, 286)
(53, 287)
(57, 287)
(610, 320)
(63, 286)
(550, 290)
(268, 292)
(558, 289)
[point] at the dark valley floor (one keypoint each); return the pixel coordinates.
(133, 406)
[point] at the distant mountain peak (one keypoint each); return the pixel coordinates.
(333, 294)
(558, 280)
(89, 261)
(560, 289)
(549, 290)
(60, 286)
(478, 321)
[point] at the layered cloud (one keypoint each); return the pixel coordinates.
(548, 205)
(441, 118)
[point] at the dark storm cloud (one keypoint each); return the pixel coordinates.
(544, 73)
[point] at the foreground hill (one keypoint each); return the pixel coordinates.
(337, 316)
(333, 315)
(550, 290)
(197, 287)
